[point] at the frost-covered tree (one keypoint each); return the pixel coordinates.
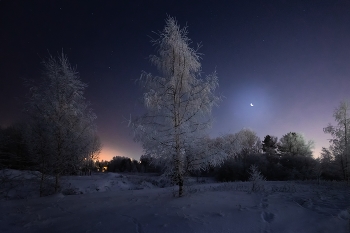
(295, 144)
(330, 167)
(340, 146)
(256, 178)
(326, 156)
(249, 142)
(243, 142)
(203, 153)
(62, 132)
(178, 104)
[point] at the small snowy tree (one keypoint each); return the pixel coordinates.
(256, 179)
(62, 133)
(178, 105)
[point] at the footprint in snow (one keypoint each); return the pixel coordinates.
(267, 217)
(264, 205)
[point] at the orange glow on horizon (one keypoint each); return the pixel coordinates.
(108, 153)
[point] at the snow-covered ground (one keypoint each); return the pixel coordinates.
(113, 202)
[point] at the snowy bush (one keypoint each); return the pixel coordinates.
(256, 179)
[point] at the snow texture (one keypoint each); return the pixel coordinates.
(134, 203)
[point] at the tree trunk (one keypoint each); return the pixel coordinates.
(41, 184)
(342, 167)
(43, 165)
(178, 169)
(347, 171)
(181, 184)
(57, 183)
(347, 164)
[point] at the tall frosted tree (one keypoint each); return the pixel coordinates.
(340, 146)
(62, 133)
(178, 104)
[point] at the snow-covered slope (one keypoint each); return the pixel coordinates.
(130, 203)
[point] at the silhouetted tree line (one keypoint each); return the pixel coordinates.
(14, 152)
(125, 164)
(290, 158)
(271, 166)
(287, 159)
(276, 161)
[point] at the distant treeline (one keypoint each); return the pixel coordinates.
(125, 164)
(273, 165)
(276, 167)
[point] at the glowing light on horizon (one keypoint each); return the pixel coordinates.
(108, 153)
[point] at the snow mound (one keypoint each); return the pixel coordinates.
(18, 175)
(15, 184)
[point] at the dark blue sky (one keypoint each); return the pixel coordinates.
(289, 58)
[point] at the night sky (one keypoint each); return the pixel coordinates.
(289, 58)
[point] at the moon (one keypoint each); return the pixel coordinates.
(251, 105)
